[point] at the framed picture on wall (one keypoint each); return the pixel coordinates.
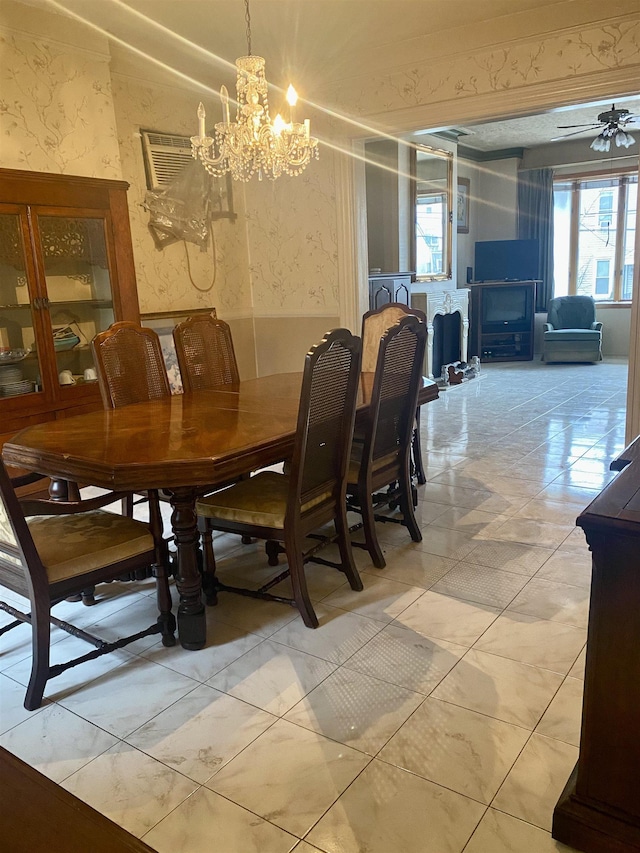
(462, 205)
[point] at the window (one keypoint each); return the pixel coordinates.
(431, 224)
(627, 281)
(602, 278)
(594, 235)
(605, 209)
(430, 198)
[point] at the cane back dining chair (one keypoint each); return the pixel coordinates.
(204, 348)
(51, 550)
(287, 507)
(374, 324)
(131, 369)
(206, 358)
(130, 365)
(382, 458)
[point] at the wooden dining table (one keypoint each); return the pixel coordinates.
(180, 445)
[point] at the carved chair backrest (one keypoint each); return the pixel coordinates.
(326, 417)
(375, 324)
(130, 365)
(206, 357)
(395, 391)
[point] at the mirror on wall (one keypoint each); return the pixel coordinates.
(432, 192)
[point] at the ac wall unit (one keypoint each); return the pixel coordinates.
(165, 156)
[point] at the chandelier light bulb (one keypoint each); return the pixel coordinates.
(201, 119)
(224, 98)
(279, 125)
(292, 96)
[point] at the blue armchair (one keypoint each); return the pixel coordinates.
(572, 333)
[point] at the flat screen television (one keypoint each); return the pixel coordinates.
(506, 260)
(506, 308)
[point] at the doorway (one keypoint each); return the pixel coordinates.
(516, 103)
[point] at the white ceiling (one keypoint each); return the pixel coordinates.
(533, 131)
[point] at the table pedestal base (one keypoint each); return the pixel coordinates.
(192, 622)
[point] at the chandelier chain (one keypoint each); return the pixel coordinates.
(247, 17)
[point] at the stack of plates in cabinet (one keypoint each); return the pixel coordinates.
(12, 384)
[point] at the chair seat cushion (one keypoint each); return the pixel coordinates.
(71, 545)
(569, 335)
(260, 501)
(355, 462)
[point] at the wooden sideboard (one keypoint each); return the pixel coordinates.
(389, 287)
(36, 815)
(66, 273)
(599, 810)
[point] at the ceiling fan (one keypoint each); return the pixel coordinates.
(613, 123)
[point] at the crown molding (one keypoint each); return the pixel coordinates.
(465, 153)
(67, 44)
(452, 37)
(512, 103)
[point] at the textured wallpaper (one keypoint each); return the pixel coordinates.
(170, 279)
(56, 112)
(293, 242)
(556, 57)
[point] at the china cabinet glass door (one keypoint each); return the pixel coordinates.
(20, 371)
(79, 296)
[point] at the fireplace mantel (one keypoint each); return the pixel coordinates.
(445, 302)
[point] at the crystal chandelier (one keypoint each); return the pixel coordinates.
(252, 144)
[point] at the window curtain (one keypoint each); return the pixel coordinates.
(535, 222)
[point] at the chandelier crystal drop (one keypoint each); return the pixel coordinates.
(253, 144)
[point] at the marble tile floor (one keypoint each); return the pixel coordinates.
(437, 711)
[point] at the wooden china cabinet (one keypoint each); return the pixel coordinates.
(66, 273)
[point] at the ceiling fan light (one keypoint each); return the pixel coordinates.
(624, 139)
(601, 143)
